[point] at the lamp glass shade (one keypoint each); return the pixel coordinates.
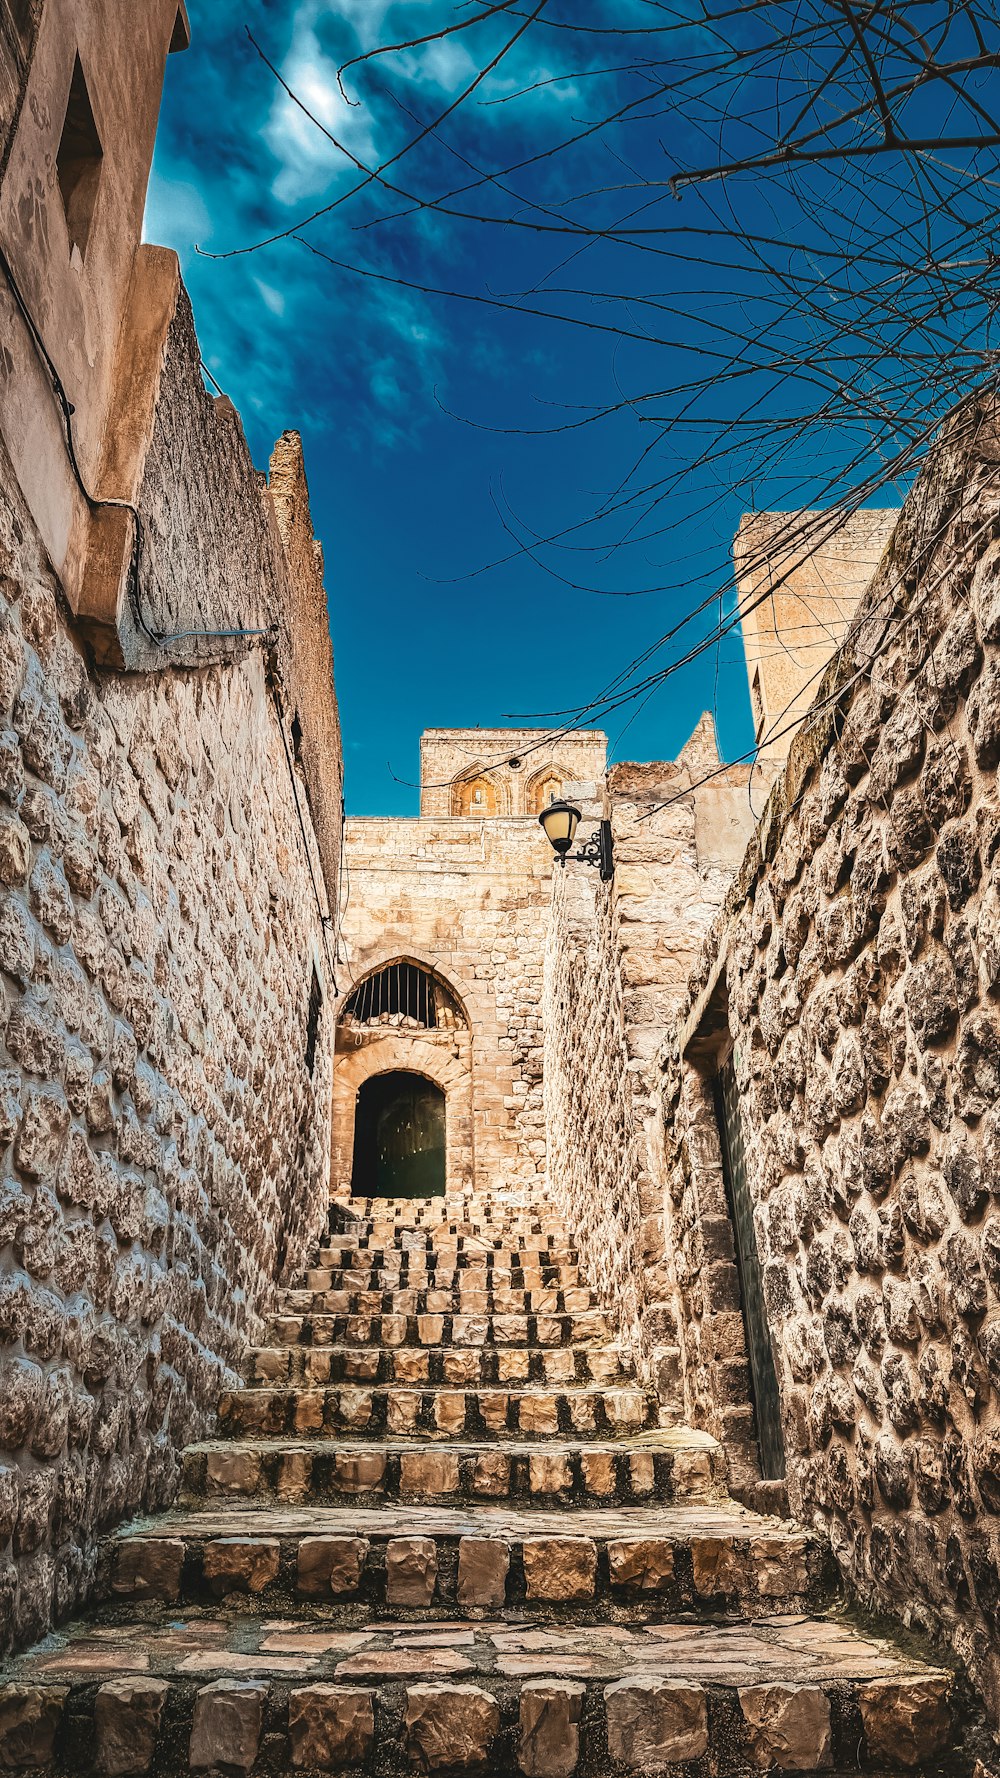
(560, 822)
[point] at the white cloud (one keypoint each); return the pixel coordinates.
(309, 163)
(271, 298)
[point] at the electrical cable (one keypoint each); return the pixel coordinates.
(159, 638)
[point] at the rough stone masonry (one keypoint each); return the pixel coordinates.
(167, 859)
(855, 969)
(170, 784)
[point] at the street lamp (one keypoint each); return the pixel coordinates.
(559, 824)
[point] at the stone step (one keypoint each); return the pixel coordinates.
(590, 1328)
(492, 1230)
(484, 1235)
(582, 1411)
(456, 1253)
(438, 1364)
(490, 1301)
(672, 1464)
(463, 1206)
(232, 1691)
(632, 1561)
(446, 1276)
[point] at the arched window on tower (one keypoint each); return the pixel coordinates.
(543, 790)
(476, 796)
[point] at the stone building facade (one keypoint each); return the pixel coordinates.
(168, 846)
(466, 897)
(799, 576)
(483, 773)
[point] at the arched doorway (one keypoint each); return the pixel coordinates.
(399, 1137)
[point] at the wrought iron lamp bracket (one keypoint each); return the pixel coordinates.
(597, 850)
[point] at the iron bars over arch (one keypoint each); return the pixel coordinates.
(405, 994)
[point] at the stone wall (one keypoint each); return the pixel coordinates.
(164, 1146)
(517, 770)
(470, 900)
(70, 231)
(17, 36)
(799, 577)
(856, 971)
(616, 966)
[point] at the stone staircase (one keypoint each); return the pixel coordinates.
(441, 1529)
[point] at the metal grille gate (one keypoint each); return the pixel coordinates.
(403, 993)
(764, 1382)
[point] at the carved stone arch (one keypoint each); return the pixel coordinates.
(462, 992)
(544, 787)
(412, 1055)
(479, 793)
(443, 1057)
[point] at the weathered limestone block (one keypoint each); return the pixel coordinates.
(240, 1564)
(15, 850)
(148, 1567)
(227, 1724)
(644, 1563)
(330, 1565)
(560, 1567)
(906, 1721)
(127, 1716)
(483, 1563)
(491, 1475)
(29, 1720)
(330, 1726)
(22, 1387)
(424, 1474)
(778, 1567)
(716, 1565)
(410, 1570)
(549, 1473)
(788, 1726)
(42, 1132)
(538, 1414)
(450, 1726)
(549, 1738)
(655, 1722)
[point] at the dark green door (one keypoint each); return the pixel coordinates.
(399, 1138)
(764, 1381)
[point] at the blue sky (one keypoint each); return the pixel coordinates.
(435, 429)
(403, 494)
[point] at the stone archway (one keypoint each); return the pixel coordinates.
(442, 1056)
(399, 1137)
(545, 787)
(479, 793)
